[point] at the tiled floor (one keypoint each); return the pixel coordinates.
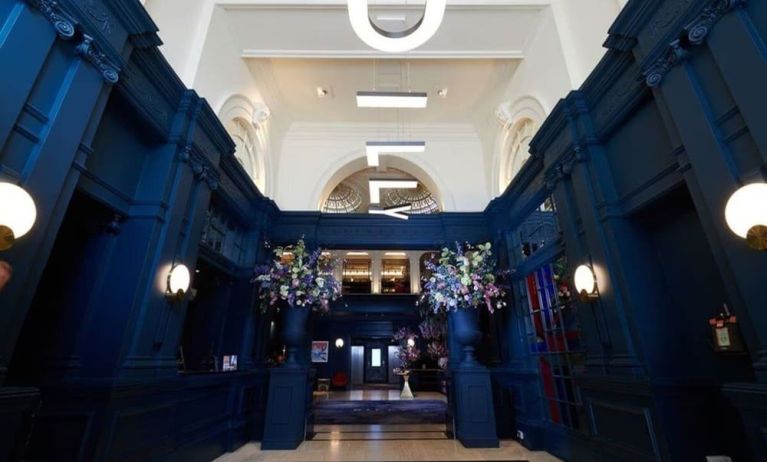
(384, 443)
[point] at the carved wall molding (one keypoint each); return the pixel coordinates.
(564, 168)
(87, 48)
(201, 167)
(98, 15)
(64, 25)
(695, 33)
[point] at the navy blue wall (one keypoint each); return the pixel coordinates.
(641, 161)
(123, 162)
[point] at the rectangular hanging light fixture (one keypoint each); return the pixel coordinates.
(377, 185)
(374, 148)
(392, 99)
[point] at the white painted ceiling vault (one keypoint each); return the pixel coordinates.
(261, 63)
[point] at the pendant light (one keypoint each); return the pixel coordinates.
(396, 42)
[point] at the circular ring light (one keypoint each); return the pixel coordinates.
(396, 42)
(17, 214)
(746, 214)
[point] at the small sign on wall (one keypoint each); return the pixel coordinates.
(726, 334)
(320, 351)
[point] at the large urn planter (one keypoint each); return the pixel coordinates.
(295, 320)
(467, 334)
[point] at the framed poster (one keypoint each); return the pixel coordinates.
(319, 351)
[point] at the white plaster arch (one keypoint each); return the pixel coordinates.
(245, 122)
(512, 117)
(357, 160)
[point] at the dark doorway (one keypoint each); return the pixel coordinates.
(376, 361)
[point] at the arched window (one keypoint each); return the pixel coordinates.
(245, 123)
(343, 199)
(521, 135)
(352, 194)
(420, 198)
(244, 138)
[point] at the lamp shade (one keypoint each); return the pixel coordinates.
(179, 279)
(584, 280)
(339, 343)
(17, 209)
(747, 208)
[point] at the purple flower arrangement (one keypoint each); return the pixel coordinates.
(408, 352)
(463, 278)
(298, 278)
(433, 329)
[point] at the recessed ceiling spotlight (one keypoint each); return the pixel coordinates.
(442, 92)
(322, 92)
(392, 99)
(377, 185)
(374, 148)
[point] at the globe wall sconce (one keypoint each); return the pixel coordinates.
(17, 214)
(339, 343)
(586, 283)
(746, 214)
(177, 284)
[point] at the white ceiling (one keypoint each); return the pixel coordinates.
(487, 29)
(289, 86)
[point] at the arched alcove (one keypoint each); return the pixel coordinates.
(518, 123)
(239, 116)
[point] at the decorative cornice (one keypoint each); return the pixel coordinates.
(695, 33)
(89, 50)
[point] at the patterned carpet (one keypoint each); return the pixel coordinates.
(380, 412)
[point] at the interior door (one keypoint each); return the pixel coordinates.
(358, 365)
(376, 360)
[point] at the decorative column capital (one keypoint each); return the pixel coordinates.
(696, 33)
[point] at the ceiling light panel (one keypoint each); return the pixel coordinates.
(392, 99)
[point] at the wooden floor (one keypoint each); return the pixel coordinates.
(384, 443)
